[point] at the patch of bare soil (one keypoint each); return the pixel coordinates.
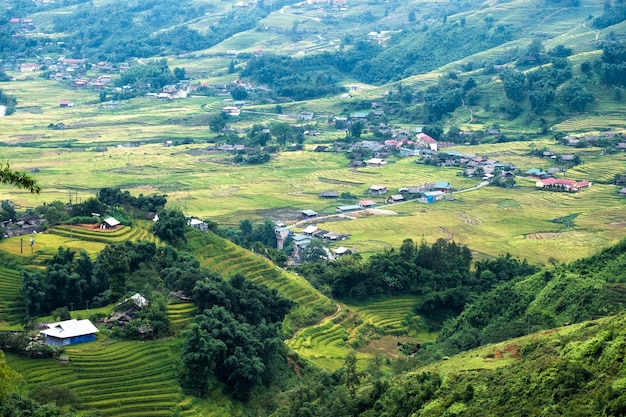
(387, 345)
(544, 235)
(512, 350)
(94, 227)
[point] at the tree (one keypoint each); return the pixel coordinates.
(355, 129)
(576, 96)
(171, 226)
(8, 378)
(351, 376)
(314, 251)
(239, 93)
(180, 73)
(217, 122)
(201, 353)
(17, 179)
(514, 83)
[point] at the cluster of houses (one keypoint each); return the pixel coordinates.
(21, 26)
(305, 237)
(589, 139)
(23, 226)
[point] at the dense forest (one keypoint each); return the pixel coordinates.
(441, 273)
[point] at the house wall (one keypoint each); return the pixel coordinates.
(50, 340)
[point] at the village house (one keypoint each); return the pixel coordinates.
(310, 230)
(431, 196)
(557, 184)
(319, 148)
(407, 152)
(306, 115)
(376, 162)
(377, 189)
(442, 186)
(29, 67)
(300, 242)
(365, 204)
(232, 110)
(198, 224)
(69, 332)
(341, 251)
(108, 223)
(536, 173)
(396, 198)
(425, 141)
(622, 192)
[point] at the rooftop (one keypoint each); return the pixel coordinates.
(70, 328)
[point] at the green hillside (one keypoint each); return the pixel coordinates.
(137, 95)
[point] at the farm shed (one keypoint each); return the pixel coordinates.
(396, 198)
(378, 189)
(308, 213)
(341, 251)
(109, 223)
(69, 332)
(309, 230)
(367, 204)
(329, 194)
(375, 162)
(347, 209)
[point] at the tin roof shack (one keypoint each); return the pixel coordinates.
(69, 332)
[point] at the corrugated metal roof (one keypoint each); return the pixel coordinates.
(70, 328)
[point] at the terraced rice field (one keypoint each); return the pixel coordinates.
(228, 259)
(328, 342)
(121, 234)
(181, 315)
(11, 303)
(386, 316)
(120, 379)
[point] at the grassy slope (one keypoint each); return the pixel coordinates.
(564, 369)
